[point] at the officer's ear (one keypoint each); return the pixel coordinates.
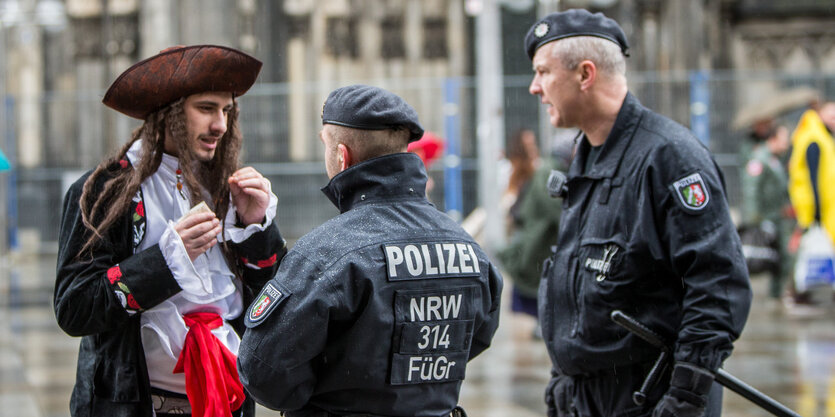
(587, 73)
(344, 156)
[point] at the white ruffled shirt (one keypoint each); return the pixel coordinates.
(207, 283)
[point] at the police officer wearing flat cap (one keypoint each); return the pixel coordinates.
(377, 311)
(645, 229)
(165, 243)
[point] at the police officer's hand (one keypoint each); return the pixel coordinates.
(688, 392)
(670, 406)
(250, 195)
(549, 399)
(198, 232)
(558, 397)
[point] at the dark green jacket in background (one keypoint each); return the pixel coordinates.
(535, 233)
(764, 188)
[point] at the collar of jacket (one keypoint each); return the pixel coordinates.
(389, 177)
(616, 143)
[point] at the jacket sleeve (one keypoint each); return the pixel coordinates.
(260, 256)
(279, 350)
(704, 252)
(99, 290)
(752, 180)
(484, 333)
(541, 214)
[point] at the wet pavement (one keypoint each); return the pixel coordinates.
(789, 357)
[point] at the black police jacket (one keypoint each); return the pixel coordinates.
(376, 311)
(645, 230)
(111, 376)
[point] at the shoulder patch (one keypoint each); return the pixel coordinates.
(265, 303)
(692, 192)
(754, 168)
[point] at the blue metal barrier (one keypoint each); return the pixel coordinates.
(699, 105)
(452, 155)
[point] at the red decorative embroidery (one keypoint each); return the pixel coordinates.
(140, 209)
(123, 163)
(114, 273)
(132, 302)
(244, 260)
(267, 262)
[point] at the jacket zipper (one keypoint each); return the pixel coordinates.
(573, 296)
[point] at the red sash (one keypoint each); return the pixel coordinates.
(212, 382)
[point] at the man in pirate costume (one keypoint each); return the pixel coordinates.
(155, 288)
(645, 229)
(377, 311)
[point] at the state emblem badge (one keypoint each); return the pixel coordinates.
(266, 302)
(260, 307)
(692, 192)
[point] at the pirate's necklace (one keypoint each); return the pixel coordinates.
(179, 173)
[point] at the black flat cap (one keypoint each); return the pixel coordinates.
(370, 108)
(574, 22)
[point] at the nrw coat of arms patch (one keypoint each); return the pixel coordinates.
(692, 192)
(266, 302)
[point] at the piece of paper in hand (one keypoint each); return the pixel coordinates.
(199, 208)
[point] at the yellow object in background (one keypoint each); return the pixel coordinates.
(810, 129)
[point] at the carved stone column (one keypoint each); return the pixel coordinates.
(299, 76)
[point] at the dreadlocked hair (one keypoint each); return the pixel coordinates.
(100, 211)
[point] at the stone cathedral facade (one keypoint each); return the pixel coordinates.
(314, 46)
(55, 76)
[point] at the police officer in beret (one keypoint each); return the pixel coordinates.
(377, 311)
(645, 229)
(155, 288)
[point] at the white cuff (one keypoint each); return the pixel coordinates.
(237, 234)
(187, 274)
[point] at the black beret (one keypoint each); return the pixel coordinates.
(574, 22)
(370, 108)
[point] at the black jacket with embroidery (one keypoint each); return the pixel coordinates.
(378, 310)
(112, 378)
(645, 230)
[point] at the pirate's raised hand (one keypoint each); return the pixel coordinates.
(250, 195)
(198, 232)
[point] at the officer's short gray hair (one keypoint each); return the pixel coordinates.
(605, 54)
(367, 144)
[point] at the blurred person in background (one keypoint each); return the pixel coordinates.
(812, 168)
(429, 148)
(765, 198)
(645, 229)
(812, 173)
(532, 221)
(377, 311)
(523, 156)
(515, 168)
(155, 288)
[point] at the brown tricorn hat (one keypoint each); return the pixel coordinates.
(178, 72)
